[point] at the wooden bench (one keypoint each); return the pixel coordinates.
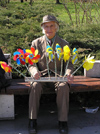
(80, 84)
(20, 87)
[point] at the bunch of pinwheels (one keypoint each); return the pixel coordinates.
(50, 53)
(59, 51)
(26, 56)
(32, 56)
(66, 53)
(74, 56)
(5, 66)
(88, 63)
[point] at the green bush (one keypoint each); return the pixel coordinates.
(3, 3)
(20, 24)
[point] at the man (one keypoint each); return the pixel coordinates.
(50, 26)
(3, 81)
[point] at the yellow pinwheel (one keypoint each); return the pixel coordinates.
(75, 56)
(66, 53)
(88, 62)
(5, 67)
(32, 56)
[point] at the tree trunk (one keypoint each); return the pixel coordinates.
(31, 2)
(21, 1)
(57, 2)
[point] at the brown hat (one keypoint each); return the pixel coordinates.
(48, 18)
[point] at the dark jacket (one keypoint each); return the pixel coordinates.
(2, 58)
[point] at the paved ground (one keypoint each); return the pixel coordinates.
(79, 122)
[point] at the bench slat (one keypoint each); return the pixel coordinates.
(80, 84)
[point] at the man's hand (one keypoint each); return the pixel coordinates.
(70, 78)
(37, 75)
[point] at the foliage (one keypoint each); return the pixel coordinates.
(20, 24)
(3, 3)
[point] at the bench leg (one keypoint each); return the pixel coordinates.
(6, 107)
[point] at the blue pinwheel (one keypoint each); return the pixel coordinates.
(19, 56)
(75, 56)
(50, 54)
(59, 51)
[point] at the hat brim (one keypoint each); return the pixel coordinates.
(49, 21)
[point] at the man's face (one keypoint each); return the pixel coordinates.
(50, 29)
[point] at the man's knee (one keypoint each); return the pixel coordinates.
(64, 85)
(36, 86)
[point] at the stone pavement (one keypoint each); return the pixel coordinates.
(79, 122)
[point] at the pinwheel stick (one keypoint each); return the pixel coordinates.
(61, 66)
(78, 68)
(17, 70)
(55, 66)
(36, 66)
(47, 67)
(26, 67)
(66, 67)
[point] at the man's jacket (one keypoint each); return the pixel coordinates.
(41, 44)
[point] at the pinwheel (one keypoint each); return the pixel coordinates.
(32, 56)
(59, 51)
(5, 66)
(66, 53)
(66, 56)
(75, 57)
(50, 54)
(19, 56)
(89, 62)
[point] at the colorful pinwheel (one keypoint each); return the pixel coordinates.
(50, 54)
(19, 56)
(59, 51)
(89, 62)
(32, 56)
(5, 66)
(75, 56)
(66, 53)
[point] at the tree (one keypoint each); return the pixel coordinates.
(21, 1)
(3, 3)
(31, 2)
(57, 2)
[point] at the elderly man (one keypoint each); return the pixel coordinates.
(50, 26)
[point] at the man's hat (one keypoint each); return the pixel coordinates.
(48, 18)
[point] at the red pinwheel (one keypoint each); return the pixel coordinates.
(5, 66)
(19, 56)
(32, 56)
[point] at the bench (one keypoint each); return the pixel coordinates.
(20, 87)
(80, 84)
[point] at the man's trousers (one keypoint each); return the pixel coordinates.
(62, 99)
